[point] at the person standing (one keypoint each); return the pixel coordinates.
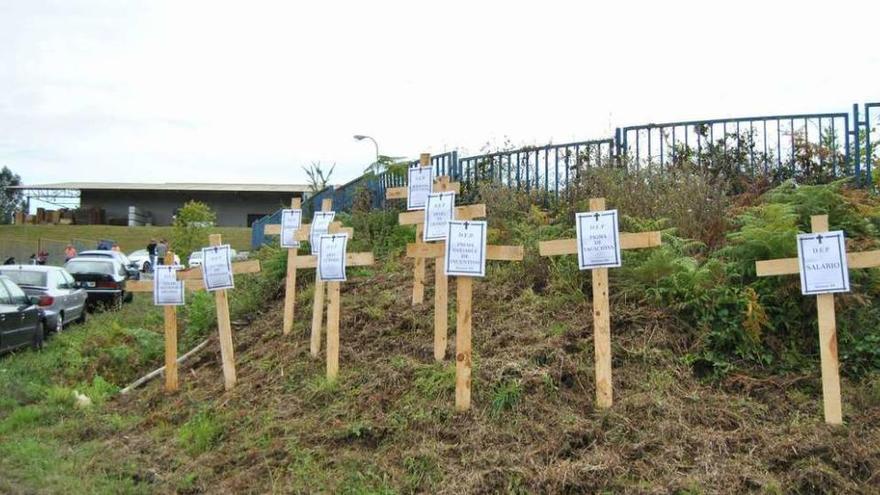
(69, 253)
(161, 251)
(151, 252)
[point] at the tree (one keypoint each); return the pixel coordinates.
(11, 200)
(318, 177)
(192, 224)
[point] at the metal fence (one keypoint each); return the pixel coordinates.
(22, 249)
(821, 146)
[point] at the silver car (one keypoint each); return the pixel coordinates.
(61, 301)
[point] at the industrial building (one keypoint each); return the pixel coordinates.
(236, 205)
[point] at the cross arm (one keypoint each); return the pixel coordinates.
(303, 233)
(400, 192)
(351, 259)
(790, 266)
(636, 240)
(252, 266)
(493, 252)
(466, 212)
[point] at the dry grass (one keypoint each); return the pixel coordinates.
(388, 424)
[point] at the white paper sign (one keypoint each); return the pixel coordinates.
(439, 210)
(822, 260)
(291, 221)
(167, 290)
(420, 183)
(320, 226)
(217, 268)
(598, 239)
(466, 249)
(331, 259)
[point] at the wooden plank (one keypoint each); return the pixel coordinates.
(466, 212)
(302, 234)
(790, 266)
(171, 380)
(602, 337)
(352, 259)
(441, 310)
(400, 192)
(290, 281)
(418, 292)
(438, 250)
(333, 330)
(224, 328)
(239, 268)
(634, 240)
(463, 365)
(318, 299)
(828, 344)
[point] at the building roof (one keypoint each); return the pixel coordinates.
(168, 186)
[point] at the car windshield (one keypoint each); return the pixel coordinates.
(197, 255)
(25, 277)
(139, 253)
(89, 266)
(100, 254)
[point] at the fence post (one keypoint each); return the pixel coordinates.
(856, 125)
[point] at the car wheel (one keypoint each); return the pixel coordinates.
(39, 335)
(128, 296)
(59, 323)
(82, 316)
(117, 303)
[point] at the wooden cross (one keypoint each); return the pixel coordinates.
(441, 184)
(463, 311)
(192, 280)
(333, 308)
(827, 323)
(441, 282)
(293, 255)
(601, 312)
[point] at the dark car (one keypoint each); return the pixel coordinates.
(21, 320)
(61, 301)
(102, 278)
(131, 268)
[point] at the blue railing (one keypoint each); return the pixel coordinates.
(834, 144)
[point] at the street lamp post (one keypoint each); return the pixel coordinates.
(360, 137)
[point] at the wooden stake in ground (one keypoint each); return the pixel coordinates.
(192, 282)
(601, 305)
(825, 309)
(441, 282)
(333, 289)
(292, 264)
(441, 184)
(464, 296)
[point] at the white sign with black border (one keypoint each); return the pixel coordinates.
(822, 260)
(167, 290)
(291, 221)
(598, 239)
(466, 248)
(439, 211)
(420, 183)
(217, 268)
(320, 225)
(331, 259)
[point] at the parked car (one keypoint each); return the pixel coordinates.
(62, 302)
(141, 259)
(103, 279)
(130, 267)
(21, 320)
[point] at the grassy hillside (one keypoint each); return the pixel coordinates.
(716, 375)
(129, 238)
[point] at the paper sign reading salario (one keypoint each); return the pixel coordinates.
(439, 210)
(217, 268)
(420, 183)
(320, 226)
(466, 249)
(598, 239)
(167, 290)
(291, 221)
(331, 259)
(822, 260)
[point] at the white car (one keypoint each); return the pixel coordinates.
(142, 260)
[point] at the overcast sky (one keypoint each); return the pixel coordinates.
(249, 91)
